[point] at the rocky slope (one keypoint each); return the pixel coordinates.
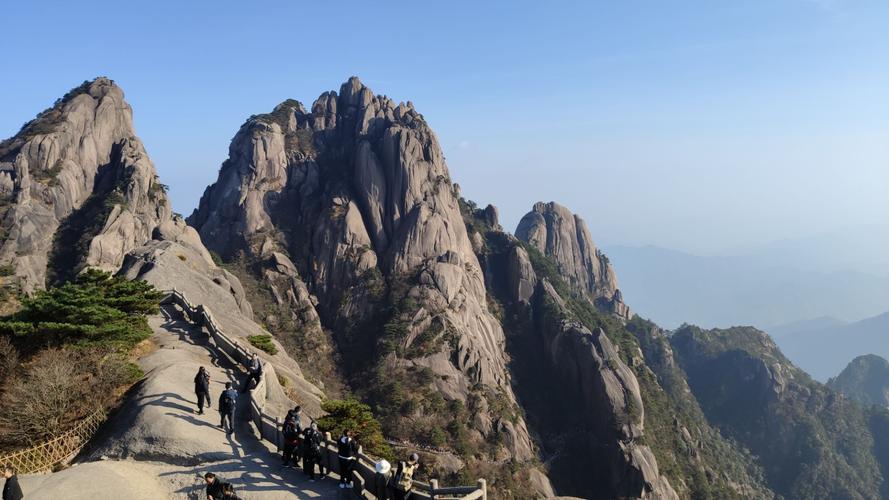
(76, 188)
(79, 190)
(564, 237)
(347, 219)
(811, 441)
(865, 379)
(606, 426)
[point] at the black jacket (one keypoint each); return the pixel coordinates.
(202, 382)
(347, 447)
(12, 490)
(214, 489)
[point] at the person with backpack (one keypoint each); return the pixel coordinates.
(347, 451)
(202, 389)
(291, 440)
(227, 402)
(11, 488)
(404, 477)
(254, 373)
(217, 489)
(312, 451)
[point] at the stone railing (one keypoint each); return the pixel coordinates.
(269, 427)
(56, 451)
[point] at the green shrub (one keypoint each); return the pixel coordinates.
(264, 343)
(96, 309)
(356, 416)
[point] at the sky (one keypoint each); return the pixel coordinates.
(708, 127)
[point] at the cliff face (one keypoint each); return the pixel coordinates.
(594, 401)
(564, 237)
(77, 188)
(347, 218)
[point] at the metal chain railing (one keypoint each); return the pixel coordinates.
(58, 450)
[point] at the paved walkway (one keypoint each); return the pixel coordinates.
(159, 447)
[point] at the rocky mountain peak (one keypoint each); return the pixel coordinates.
(557, 233)
(76, 188)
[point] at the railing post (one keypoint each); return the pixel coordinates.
(433, 485)
(483, 485)
(277, 443)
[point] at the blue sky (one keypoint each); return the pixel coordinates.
(706, 126)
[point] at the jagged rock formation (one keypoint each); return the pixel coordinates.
(347, 216)
(811, 441)
(557, 233)
(865, 379)
(77, 188)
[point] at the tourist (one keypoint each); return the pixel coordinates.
(347, 451)
(11, 488)
(217, 489)
(404, 477)
(254, 373)
(202, 389)
(380, 487)
(227, 403)
(312, 451)
(291, 440)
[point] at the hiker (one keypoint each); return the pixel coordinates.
(380, 487)
(291, 441)
(227, 402)
(11, 488)
(202, 388)
(254, 372)
(347, 451)
(217, 489)
(404, 477)
(312, 451)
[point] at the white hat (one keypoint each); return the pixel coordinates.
(383, 467)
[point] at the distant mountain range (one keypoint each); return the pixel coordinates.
(825, 349)
(764, 288)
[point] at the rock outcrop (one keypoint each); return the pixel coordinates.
(348, 216)
(557, 233)
(77, 188)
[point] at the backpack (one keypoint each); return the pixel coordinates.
(227, 401)
(404, 480)
(291, 433)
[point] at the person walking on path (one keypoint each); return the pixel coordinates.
(254, 373)
(404, 477)
(202, 389)
(347, 451)
(312, 451)
(11, 488)
(227, 402)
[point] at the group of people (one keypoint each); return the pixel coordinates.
(229, 397)
(300, 443)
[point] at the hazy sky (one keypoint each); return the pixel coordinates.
(705, 126)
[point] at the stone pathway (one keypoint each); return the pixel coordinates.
(158, 446)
